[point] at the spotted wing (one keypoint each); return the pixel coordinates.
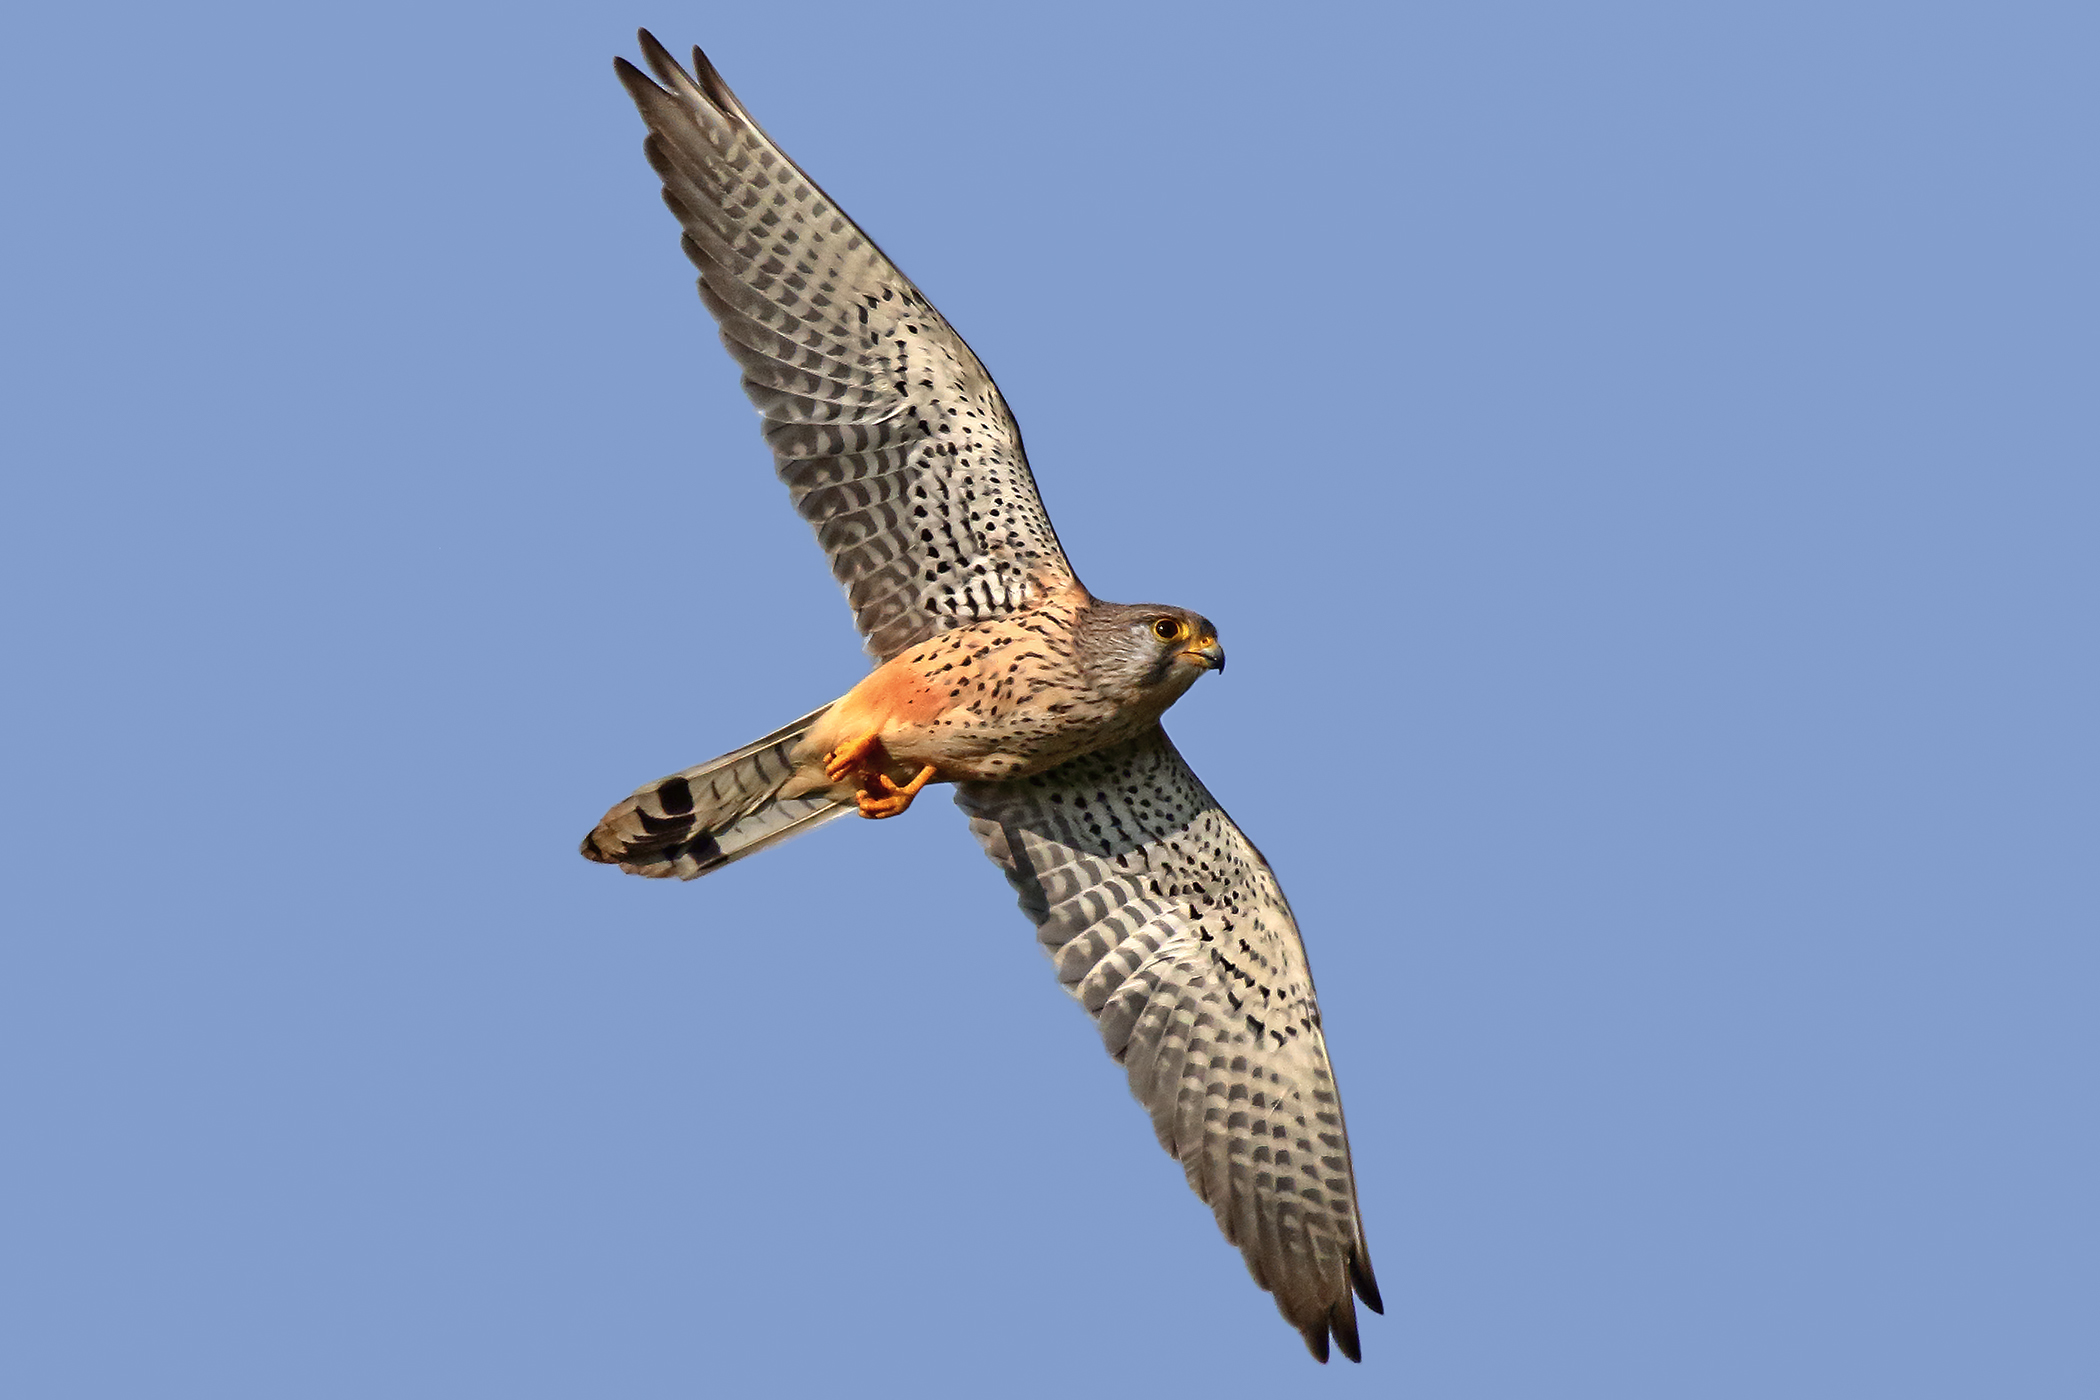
(1169, 927)
(890, 435)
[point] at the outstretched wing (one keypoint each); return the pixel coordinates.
(891, 436)
(1169, 927)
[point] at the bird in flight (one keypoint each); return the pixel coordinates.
(998, 672)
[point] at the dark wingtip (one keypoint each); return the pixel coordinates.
(658, 57)
(1316, 1341)
(711, 84)
(1366, 1282)
(636, 81)
(1341, 1319)
(703, 81)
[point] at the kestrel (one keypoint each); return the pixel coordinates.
(998, 672)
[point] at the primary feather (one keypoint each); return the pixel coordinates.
(1169, 927)
(891, 437)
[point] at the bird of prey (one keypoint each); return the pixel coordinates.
(998, 672)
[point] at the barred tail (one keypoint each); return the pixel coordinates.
(723, 810)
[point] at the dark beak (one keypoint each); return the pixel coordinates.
(1212, 656)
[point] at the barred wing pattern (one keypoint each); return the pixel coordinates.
(891, 437)
(1167, 924)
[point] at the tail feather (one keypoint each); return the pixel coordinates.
(707, 816)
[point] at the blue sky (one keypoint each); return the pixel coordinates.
(1641, 459)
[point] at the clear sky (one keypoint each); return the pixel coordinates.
(1643, 462)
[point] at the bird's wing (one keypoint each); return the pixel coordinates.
(890, 435)
(1167, 924)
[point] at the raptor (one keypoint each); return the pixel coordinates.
(998, 672)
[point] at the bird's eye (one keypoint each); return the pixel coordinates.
(1168, 630)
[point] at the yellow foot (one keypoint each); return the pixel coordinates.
(898, 799)
(847, 757)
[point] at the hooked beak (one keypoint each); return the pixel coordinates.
(1210, 656)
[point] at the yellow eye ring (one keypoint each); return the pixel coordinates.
(1169, 630)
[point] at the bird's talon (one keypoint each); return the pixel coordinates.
(844, 759)
(900, 794)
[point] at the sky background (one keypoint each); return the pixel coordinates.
(1658, 442)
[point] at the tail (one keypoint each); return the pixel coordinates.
(702, 819)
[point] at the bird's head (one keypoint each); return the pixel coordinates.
(1148, 650)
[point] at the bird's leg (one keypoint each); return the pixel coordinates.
(899, 796)
(862, 760)
(847, 757)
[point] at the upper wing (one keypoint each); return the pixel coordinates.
(890, 435)
(1169, 927)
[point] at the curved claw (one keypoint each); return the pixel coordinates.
(844, 759)
(899, 797)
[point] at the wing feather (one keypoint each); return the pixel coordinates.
(857, 376)
(1167, 925)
